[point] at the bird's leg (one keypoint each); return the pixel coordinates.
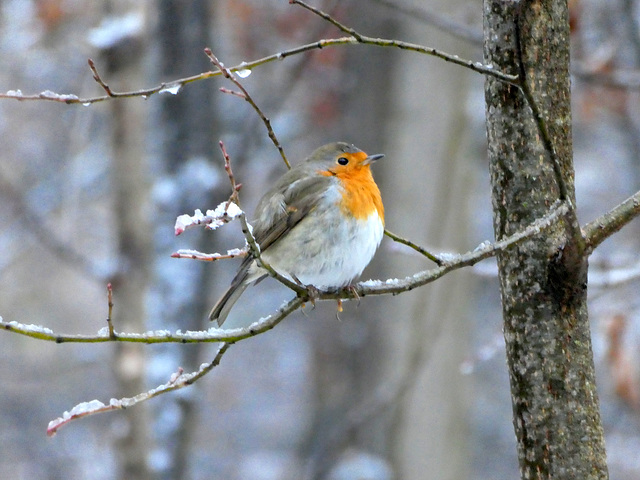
(312, 292)
(354, 292)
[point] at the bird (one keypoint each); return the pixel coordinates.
(318, 226)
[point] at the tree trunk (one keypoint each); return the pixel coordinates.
(129, 172)
(188, 150)
(543, 280)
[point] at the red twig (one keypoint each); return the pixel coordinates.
(235, 187)
(112, 333)
(98, 79)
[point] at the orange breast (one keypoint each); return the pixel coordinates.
(361, 195)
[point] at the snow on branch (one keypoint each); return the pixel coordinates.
(212, 219)
(451, 262)
(174, 86)
(227, 337)
(178, 380)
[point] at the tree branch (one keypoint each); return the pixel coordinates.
(370, 287)
(246, 96)
(437, 20)
(174, 86)
(177, 381)
(212, 335)
(397, 238)
(380, 42)
(598, 230)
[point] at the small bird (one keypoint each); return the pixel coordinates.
(319, 225)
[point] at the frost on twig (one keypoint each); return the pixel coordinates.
(178, 380)
(212, 219)
(209, 257)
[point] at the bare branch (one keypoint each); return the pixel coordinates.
(112, 333)
(175, 85)
(397, 238)
(245, 94)
(98, 79)
(328, 18)
(598, 230)
(365, 40)
(235, 187)
(439, 21)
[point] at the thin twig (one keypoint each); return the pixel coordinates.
(245, 94)
(437, 20)
(177, 381)
(396, 238)
(328, 18)
(98, 78)
(112, 333)
(365, 40)
(235, 187)
(175, 85)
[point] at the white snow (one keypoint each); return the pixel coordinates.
(172, 88)
(223, 213)
(83, 408)
(48, 94)
(31, 328)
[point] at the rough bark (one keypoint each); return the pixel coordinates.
(543, 281)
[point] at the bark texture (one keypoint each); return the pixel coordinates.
(543, 280)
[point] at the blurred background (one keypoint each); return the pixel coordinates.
(406, 387)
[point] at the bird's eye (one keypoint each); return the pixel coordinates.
(343, 160)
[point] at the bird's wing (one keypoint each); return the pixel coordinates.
(283, 207)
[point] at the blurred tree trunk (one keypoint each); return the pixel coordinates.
(427, 178)
(130, 187)
(187, 156)
(543, 280)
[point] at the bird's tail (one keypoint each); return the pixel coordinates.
(221, 309)
(245, 277)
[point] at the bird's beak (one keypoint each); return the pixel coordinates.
(372, 158)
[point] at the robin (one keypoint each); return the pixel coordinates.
(319, 225)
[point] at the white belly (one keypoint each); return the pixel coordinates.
(332, 259)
